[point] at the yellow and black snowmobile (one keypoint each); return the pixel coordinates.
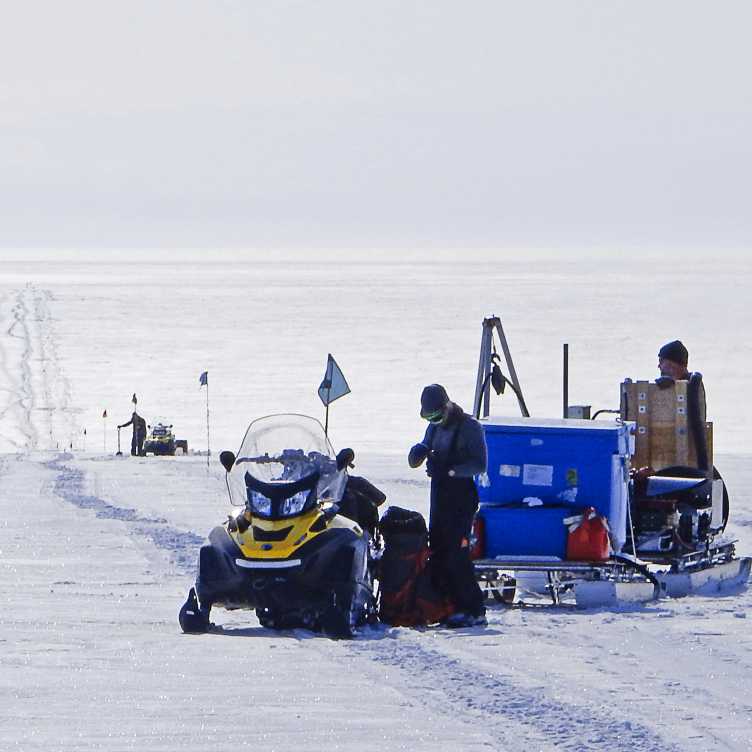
(286, 551)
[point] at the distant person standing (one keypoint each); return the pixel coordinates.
(139, 434)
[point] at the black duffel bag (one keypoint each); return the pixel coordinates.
(407, 595)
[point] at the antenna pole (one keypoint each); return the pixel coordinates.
(565, 382)
(208, 448)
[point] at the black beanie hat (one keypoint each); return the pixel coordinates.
(433, 399)
(676, 352)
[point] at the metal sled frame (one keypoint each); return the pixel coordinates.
(621, 579)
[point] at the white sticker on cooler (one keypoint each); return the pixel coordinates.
(538, 475)
(509, 471)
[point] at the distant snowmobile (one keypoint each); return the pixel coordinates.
(287, 552)
(161, 439)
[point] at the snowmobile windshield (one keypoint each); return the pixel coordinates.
(284, 466)
(159, 427)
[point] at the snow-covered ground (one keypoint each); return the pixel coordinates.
(97, 551)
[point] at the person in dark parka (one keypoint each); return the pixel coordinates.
(454, 449)
(139, 434)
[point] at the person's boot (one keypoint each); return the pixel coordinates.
(192, 617)
(479, 620)
(462, 619)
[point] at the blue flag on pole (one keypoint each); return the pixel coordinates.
(334, 385)
(203, 379)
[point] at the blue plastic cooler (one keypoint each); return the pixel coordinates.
(567, 465)
(523, 531)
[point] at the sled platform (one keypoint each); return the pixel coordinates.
(620, 579)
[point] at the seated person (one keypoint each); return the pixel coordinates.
(673, 359)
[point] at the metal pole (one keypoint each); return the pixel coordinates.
(484, 366)
(208, 448)
(565, 384)
(104, 434)
(510, 365)
(328, 394)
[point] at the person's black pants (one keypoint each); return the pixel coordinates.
(137, 444)
(453, 505)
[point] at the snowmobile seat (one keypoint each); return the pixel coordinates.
(360, 503)
(688, 485)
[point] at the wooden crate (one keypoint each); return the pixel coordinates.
(663, 436)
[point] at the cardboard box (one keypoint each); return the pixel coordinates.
(663, 437)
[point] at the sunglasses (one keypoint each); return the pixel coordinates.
(435, 417)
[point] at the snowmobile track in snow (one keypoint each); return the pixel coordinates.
(12, 373)
(180, 545)
(502, 707)
(38, 395)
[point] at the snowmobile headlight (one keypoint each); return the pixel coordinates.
(260, 504)
(294, 504)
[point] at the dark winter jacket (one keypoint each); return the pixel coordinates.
(455, 451)
(460, 436)
(139, 425)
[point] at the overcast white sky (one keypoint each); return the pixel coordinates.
(389, 123)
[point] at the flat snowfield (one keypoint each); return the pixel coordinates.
(97, 551)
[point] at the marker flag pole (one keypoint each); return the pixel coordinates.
(104, 431)
(332, 387)
(203, 380)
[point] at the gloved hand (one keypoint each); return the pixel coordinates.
(435, 466)
(417, 455)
